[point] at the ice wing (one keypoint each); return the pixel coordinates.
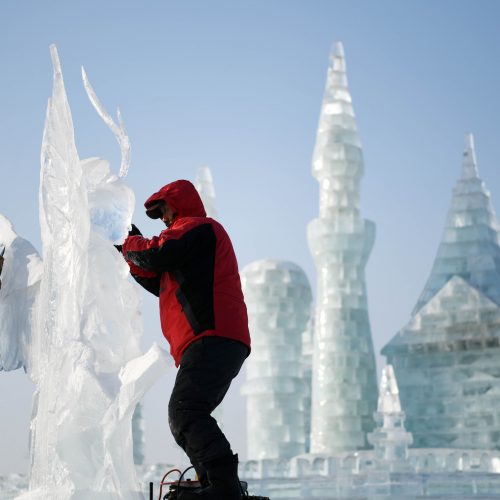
(21, 274)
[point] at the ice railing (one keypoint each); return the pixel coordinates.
(420, 461)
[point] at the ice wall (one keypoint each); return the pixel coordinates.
(21, 275)
(278, 298)
(85, 358)
(344, 390)
(446, 357)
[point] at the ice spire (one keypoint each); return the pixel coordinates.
(469, 166)
(205, 185)
(389, 439)
(344, 388)
(470, 246)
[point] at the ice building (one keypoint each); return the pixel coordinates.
(278, 298)
(307, 366)
(344, 387)
(446, 357)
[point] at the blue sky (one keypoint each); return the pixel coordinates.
(237, 85)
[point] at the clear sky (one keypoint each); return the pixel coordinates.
(237, 85)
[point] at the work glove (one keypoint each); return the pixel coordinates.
(134, 231)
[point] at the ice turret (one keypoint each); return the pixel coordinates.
(344, 379)
(470, 243)
(278, 297)
(446, 357)
(390, 439)
(205, 185)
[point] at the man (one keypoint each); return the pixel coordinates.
(192, 268)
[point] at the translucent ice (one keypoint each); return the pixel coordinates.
(21, 275)
(390, 439)
(85, 356)
(344, 386)
(278, 297)
(470, 245)
(205, 185)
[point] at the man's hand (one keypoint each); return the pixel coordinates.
(134, 231)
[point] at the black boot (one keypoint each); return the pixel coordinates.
(224, 483)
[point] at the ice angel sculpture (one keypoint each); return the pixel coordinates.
(81, 345)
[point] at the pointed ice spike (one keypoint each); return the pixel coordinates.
(118, 130)
(337, 57)
(205, 185)
(388, 397)
(390, 439)
(469, 165)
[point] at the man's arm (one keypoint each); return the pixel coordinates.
(159, 255)
(149, 281)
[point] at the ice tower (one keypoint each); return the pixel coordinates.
(446, 357)
(344, 387)
(278, 297)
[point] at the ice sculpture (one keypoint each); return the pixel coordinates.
(446, 357)
(390, 439)
(278, 297)
(84, 355)
(21, 275)
(344, 390)
(205, 185)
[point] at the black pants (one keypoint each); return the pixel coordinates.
(206, 370)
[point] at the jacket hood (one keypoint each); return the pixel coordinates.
(182, 197)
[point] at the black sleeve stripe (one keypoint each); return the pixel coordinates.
(152, 285)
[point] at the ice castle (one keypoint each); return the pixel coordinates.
(435, 436)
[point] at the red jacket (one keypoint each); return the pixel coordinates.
(192, 267)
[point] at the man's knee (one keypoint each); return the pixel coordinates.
(176, 422)
(183, 415)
